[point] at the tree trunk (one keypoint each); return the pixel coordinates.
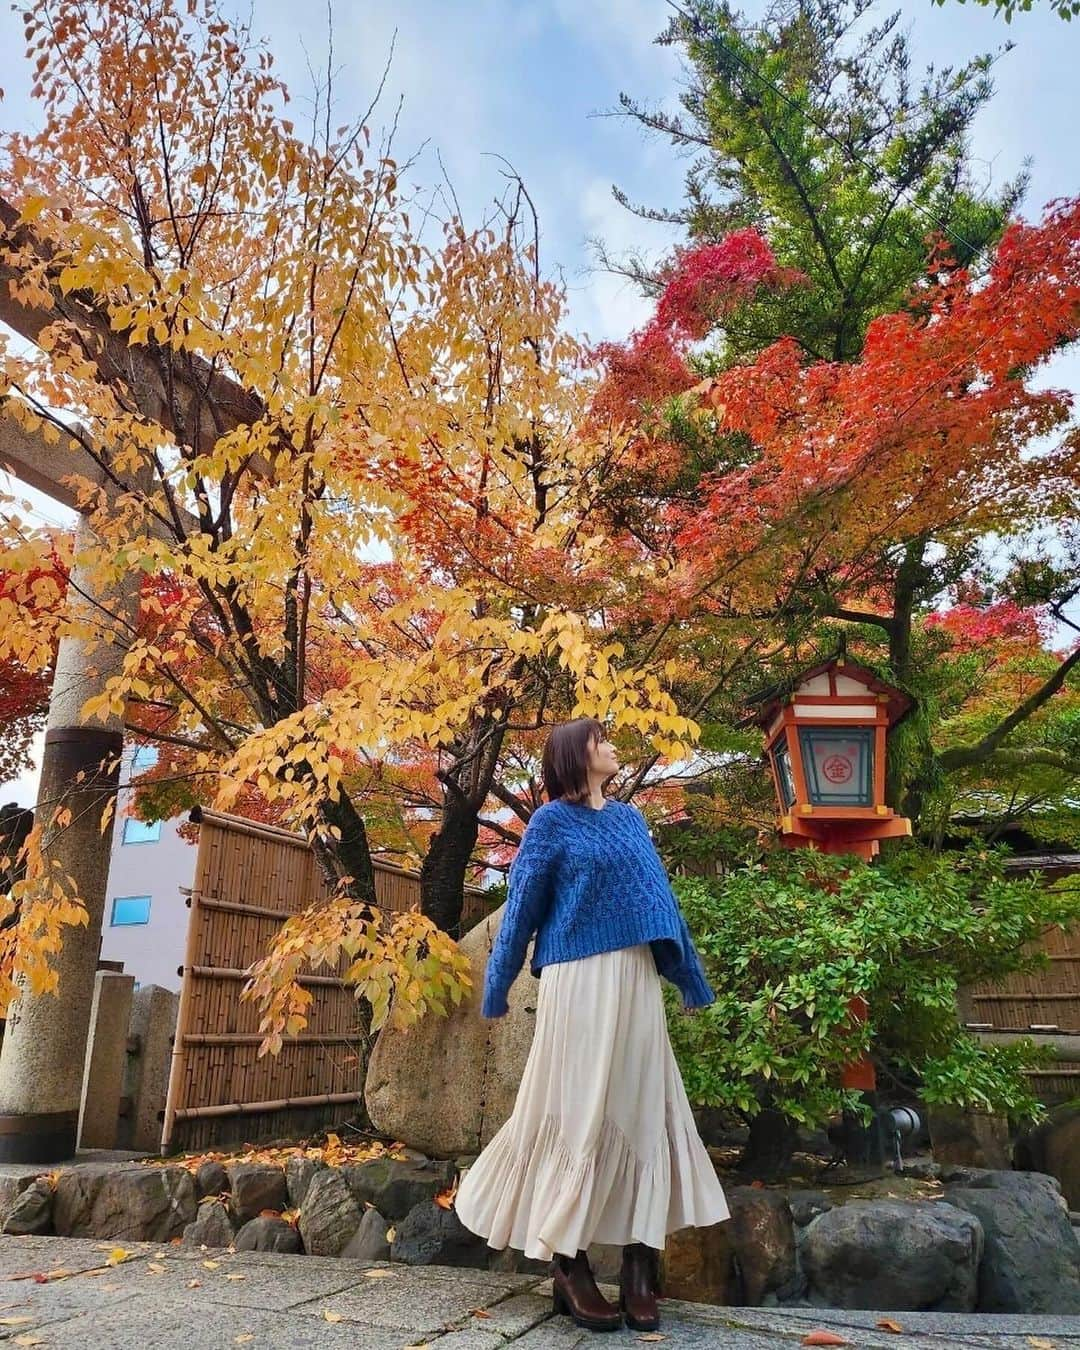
(908, 577)
(349, 856)
(442, 873)
(770, 1146)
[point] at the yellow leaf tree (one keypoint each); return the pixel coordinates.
(261, 373)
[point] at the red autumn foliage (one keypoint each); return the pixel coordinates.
(930, 429)
(972, 626)
(24, 693)
(701, 286)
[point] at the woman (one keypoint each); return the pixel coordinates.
(601, 1145)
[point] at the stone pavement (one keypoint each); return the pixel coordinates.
(62, 1292)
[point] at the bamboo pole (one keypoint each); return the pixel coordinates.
(254, 1108)
(246, 1038)
(176, 1068)
(231, 973)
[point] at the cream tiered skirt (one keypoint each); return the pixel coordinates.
(601, 1145)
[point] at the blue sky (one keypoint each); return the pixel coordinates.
(523, 79)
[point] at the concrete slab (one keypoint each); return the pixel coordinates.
(137, 1324)
(922, 1324)
(512, 1317)
(167, 1296)
(229, 1283)
(36, 1255)
(410, 1299)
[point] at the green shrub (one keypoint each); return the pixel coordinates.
(789, 941)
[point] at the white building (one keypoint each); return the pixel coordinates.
(145, 923)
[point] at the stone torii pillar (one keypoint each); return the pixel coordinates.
(42, 1059)
(41, 1062)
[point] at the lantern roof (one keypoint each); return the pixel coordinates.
(823, 678)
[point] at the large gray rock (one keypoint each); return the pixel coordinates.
(143, 1204)
(764, 1238)
(370, 1241)
(447, 1084)
(299, 1173)
(698, 1264)
(32, 1211)
(1032, 1258)
(433, 1236)
(255, 1187)
(1001, 1179)
(330, 1214)
(10, 1190)
(213, 1226)
(395, 1188)
(969, 1138)
(211, 1178)
(268, 1235)
(1054, 1147)
(807, 1205)
(893, 1256)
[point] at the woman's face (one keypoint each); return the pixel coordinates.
(602, 758)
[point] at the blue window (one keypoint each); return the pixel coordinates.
(139, 832)
(143, 758)
(130, 909)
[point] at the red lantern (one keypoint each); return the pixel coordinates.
(825, 742)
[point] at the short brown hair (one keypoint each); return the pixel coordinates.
(565, 765)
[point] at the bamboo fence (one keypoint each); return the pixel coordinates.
(250, 878)
(1042, 1003)
(1042, 1000)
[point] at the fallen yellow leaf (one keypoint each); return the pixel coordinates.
(118, 1254)
(887, 1324)
(329, 1316)
(243, 1338)
(194, 1284)
(378, 1274)
(27, 1339)
(1040, 1343)
(14, 1321)
(653, 1336)
(391, 1234)
(235, 1275)
(211, 1265)
(155, 1268)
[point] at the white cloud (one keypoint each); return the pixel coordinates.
(610, 306)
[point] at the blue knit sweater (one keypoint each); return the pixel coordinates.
(589, 881)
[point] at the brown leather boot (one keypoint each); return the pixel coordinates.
(575, 1292)
(639, 1287)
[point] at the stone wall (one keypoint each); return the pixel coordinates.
(990, 1241)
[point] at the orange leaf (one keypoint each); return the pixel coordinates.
(887, 1324)
(820, 1337)
(445, 1199)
